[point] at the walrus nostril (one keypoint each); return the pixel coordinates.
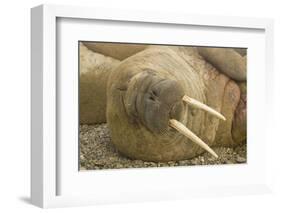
(154, 93)
(152, 98)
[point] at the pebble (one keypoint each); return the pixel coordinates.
(97, 152)
(240, 159)
(229, 162)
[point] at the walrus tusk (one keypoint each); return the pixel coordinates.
(200, 105)
(186, 132)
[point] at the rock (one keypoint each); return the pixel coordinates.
(99, 153)
(229, 162)
(240, 159)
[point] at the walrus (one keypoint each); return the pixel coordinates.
(94, 72)
(119, 51)
(160, 108)
(231, 62)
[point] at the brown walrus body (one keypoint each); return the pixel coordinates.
(94, 72)
(144, 92)
(231, 62)
(119, 51)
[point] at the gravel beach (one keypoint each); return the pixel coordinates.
(97, 152)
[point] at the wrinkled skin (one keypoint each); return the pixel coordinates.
(156, 100)
(231, 62)
(145, 91)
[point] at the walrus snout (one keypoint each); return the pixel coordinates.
(152, 100)
(163, 102)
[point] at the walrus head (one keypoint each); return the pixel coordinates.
(158, 103)
(153, 100)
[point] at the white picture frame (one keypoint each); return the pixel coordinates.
(46, 168)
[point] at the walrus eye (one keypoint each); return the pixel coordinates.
(189, 134)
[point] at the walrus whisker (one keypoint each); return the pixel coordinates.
(200, 105)
(189, 134)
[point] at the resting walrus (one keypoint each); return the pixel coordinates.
(159, 90)
(157, 107)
